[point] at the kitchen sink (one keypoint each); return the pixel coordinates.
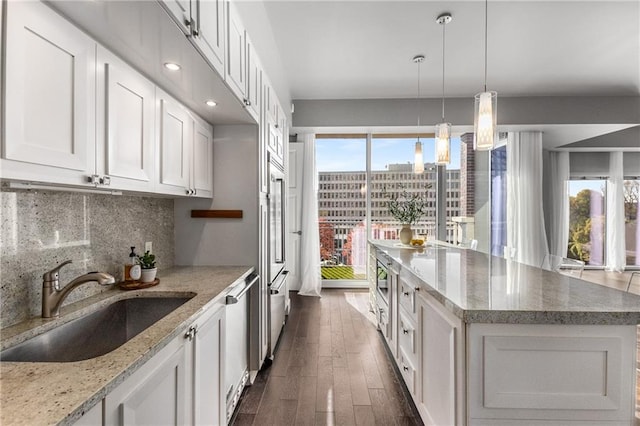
(96, 333)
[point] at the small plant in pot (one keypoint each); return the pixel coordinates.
(147, 263)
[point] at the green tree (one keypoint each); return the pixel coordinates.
(327, 237)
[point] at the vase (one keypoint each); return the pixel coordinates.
(405, 234)
(148, 275)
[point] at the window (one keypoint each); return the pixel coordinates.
(587, 204)
(343, 242)
(631, 228)
(341, 164)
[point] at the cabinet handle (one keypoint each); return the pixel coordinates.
(405, 368)
(93, 179)
(247, 102)
(406, 293)
(190, 334)
(416, 289)
(105, 180)
(405, 331)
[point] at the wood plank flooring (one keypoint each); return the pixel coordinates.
(330, 368)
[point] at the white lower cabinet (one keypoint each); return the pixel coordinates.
(180, 385)
(207, 356)
(154, 394)
(440, 389)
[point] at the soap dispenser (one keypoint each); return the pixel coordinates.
(131, 269)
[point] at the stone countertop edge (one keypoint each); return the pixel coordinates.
(44, 393)
(523, 316)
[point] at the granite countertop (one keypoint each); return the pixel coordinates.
(55, 393)
(479, 288)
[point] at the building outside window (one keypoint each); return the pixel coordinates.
(343, 214)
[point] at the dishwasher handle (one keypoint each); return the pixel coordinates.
(275, 288)
(234, 298)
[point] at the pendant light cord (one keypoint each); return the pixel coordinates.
(486, 18)
(418, 102)
(443, 50)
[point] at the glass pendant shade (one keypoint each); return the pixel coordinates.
(485, 121)
(418, 164)
(443, 143)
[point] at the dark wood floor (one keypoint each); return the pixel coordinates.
(330, 368)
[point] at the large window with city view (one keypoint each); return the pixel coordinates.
(342, 197)
(343, 188)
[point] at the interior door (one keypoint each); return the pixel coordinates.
(294, 210)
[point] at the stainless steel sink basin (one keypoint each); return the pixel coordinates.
(96, 333)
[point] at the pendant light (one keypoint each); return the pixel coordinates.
(485, 123)
(443, 129)
(418, 163)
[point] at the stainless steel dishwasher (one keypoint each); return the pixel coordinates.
(237, 341)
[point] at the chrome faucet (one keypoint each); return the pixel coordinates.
(53, 295)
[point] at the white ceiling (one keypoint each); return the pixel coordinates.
(363, 49)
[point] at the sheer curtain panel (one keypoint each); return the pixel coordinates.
(559, 198)
(311, 280)
(525, 217)
(616, 255)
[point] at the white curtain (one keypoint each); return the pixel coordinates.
(525, 217)
(311, 280)
(559, 206)
(616, 256)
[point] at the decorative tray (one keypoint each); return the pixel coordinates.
(137, 285)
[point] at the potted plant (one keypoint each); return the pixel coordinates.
(147, 263)
(407, 209)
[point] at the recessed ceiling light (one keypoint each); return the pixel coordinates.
(171, 66)
(211, 103)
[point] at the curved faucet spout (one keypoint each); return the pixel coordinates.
(53, 295)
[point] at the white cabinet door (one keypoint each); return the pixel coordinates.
(125, 143)
(50, 97)
(155, 394)
(202, 164)
(208, 402)
(254, 82)
(236, 54)
(439, 395)
(174, 146)
(209, 33)
(180, 11)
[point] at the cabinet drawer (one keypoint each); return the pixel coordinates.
(407, 370)
(407, 297)
(407, 336)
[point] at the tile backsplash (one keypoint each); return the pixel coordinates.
(41, 229)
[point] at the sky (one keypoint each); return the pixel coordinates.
(350, 154)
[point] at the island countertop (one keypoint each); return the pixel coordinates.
(479, 288)
(59, 393)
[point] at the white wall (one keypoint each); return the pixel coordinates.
(223, 241)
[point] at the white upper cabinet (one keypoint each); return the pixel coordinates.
(50, 97)
(253, 96)
(174, 147)
(185, 150)
(203, 22)
(125, 120)
(202, 164)
(180, 10)
(236, 68)
(208, 33)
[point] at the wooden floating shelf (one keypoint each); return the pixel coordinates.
(217, 214)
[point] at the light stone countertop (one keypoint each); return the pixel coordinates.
(59, 393)
(479, 288)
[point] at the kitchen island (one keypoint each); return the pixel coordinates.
(482, 340)
(63, 393)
